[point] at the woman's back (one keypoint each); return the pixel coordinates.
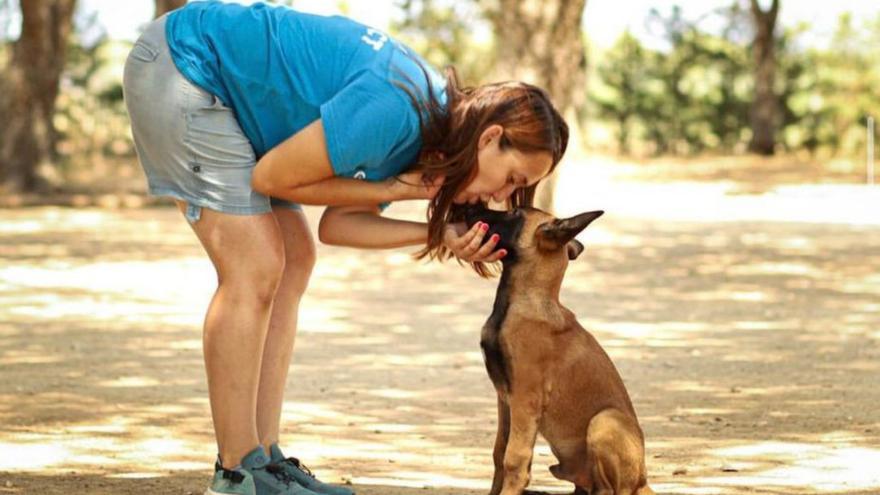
(280, 69)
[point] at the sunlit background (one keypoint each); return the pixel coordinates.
(738, 294)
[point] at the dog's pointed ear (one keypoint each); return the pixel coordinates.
(574, 249)
(556, 234)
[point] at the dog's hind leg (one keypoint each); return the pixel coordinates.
(573, 460)
(500, 446)
(616, 455)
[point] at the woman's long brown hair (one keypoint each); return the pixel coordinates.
(450, 136)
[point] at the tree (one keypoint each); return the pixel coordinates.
(164, 6)
(621, 96)
(442, 31)
(28, 91)
(765, 106)
(541, 42)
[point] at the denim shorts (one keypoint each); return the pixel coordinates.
(188, 142)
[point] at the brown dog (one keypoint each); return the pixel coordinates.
(551, 375)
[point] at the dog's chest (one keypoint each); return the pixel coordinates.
(513, 347)
(511, 327)
(494, 356)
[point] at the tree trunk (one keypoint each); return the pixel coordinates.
(28, 92)
(765, 106)
(541, 42)
(165, 6)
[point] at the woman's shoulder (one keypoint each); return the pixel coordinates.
(406, 66)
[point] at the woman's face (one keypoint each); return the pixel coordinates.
(501, 172)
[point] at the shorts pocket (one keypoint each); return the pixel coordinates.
(144, 52)
(215, 139)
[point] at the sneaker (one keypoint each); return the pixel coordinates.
(265, 478)
(231, 481)
(303, 476)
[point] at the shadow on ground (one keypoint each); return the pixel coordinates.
(750, 350)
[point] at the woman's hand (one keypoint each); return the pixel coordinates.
(414, 185)
(467, 244)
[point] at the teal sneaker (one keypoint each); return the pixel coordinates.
(265, 478)
(231, 481)
(303, 476)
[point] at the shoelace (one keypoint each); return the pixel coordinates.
(233, 476)
(280, 474)
(299, 465)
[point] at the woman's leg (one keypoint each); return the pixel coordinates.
(247, 252)
(299, 253)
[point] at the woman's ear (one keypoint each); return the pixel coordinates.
(491, 133)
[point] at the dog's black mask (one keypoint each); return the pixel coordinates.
(550, 236)
(507, 224)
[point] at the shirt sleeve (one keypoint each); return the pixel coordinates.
(364, 124)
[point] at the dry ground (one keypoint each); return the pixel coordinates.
(747, 329)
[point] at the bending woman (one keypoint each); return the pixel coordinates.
(241, 114)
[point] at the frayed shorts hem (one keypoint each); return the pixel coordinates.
(195, 204)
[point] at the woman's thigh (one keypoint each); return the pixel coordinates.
(245, 249)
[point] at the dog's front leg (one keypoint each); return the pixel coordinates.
(520, 444)
(500, 445)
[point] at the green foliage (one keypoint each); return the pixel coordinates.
(90, 116)
(843, 83)
(443, 32)
(688, 98)
(695, 94)
(625, 94)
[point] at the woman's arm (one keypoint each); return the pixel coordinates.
(363, 227)
(299, 170)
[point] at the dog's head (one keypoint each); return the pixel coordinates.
(529, 234)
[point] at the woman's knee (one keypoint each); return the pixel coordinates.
(247, 252)
(268, 274)
(299, 250)
(300, 257)
(255, 279)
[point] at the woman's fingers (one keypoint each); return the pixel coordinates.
(472, 244)
(486, 249)
(476, 240)
(497, 255)
(460, 244)
(487, 252)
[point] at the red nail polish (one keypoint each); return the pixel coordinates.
(495, 237)
(484, 226)
(503, 253)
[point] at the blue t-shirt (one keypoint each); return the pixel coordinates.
(279, 70)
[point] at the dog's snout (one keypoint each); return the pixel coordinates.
(472, 213)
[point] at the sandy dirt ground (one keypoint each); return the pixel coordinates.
(746, 327)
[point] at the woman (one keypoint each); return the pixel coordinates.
(243, 113)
